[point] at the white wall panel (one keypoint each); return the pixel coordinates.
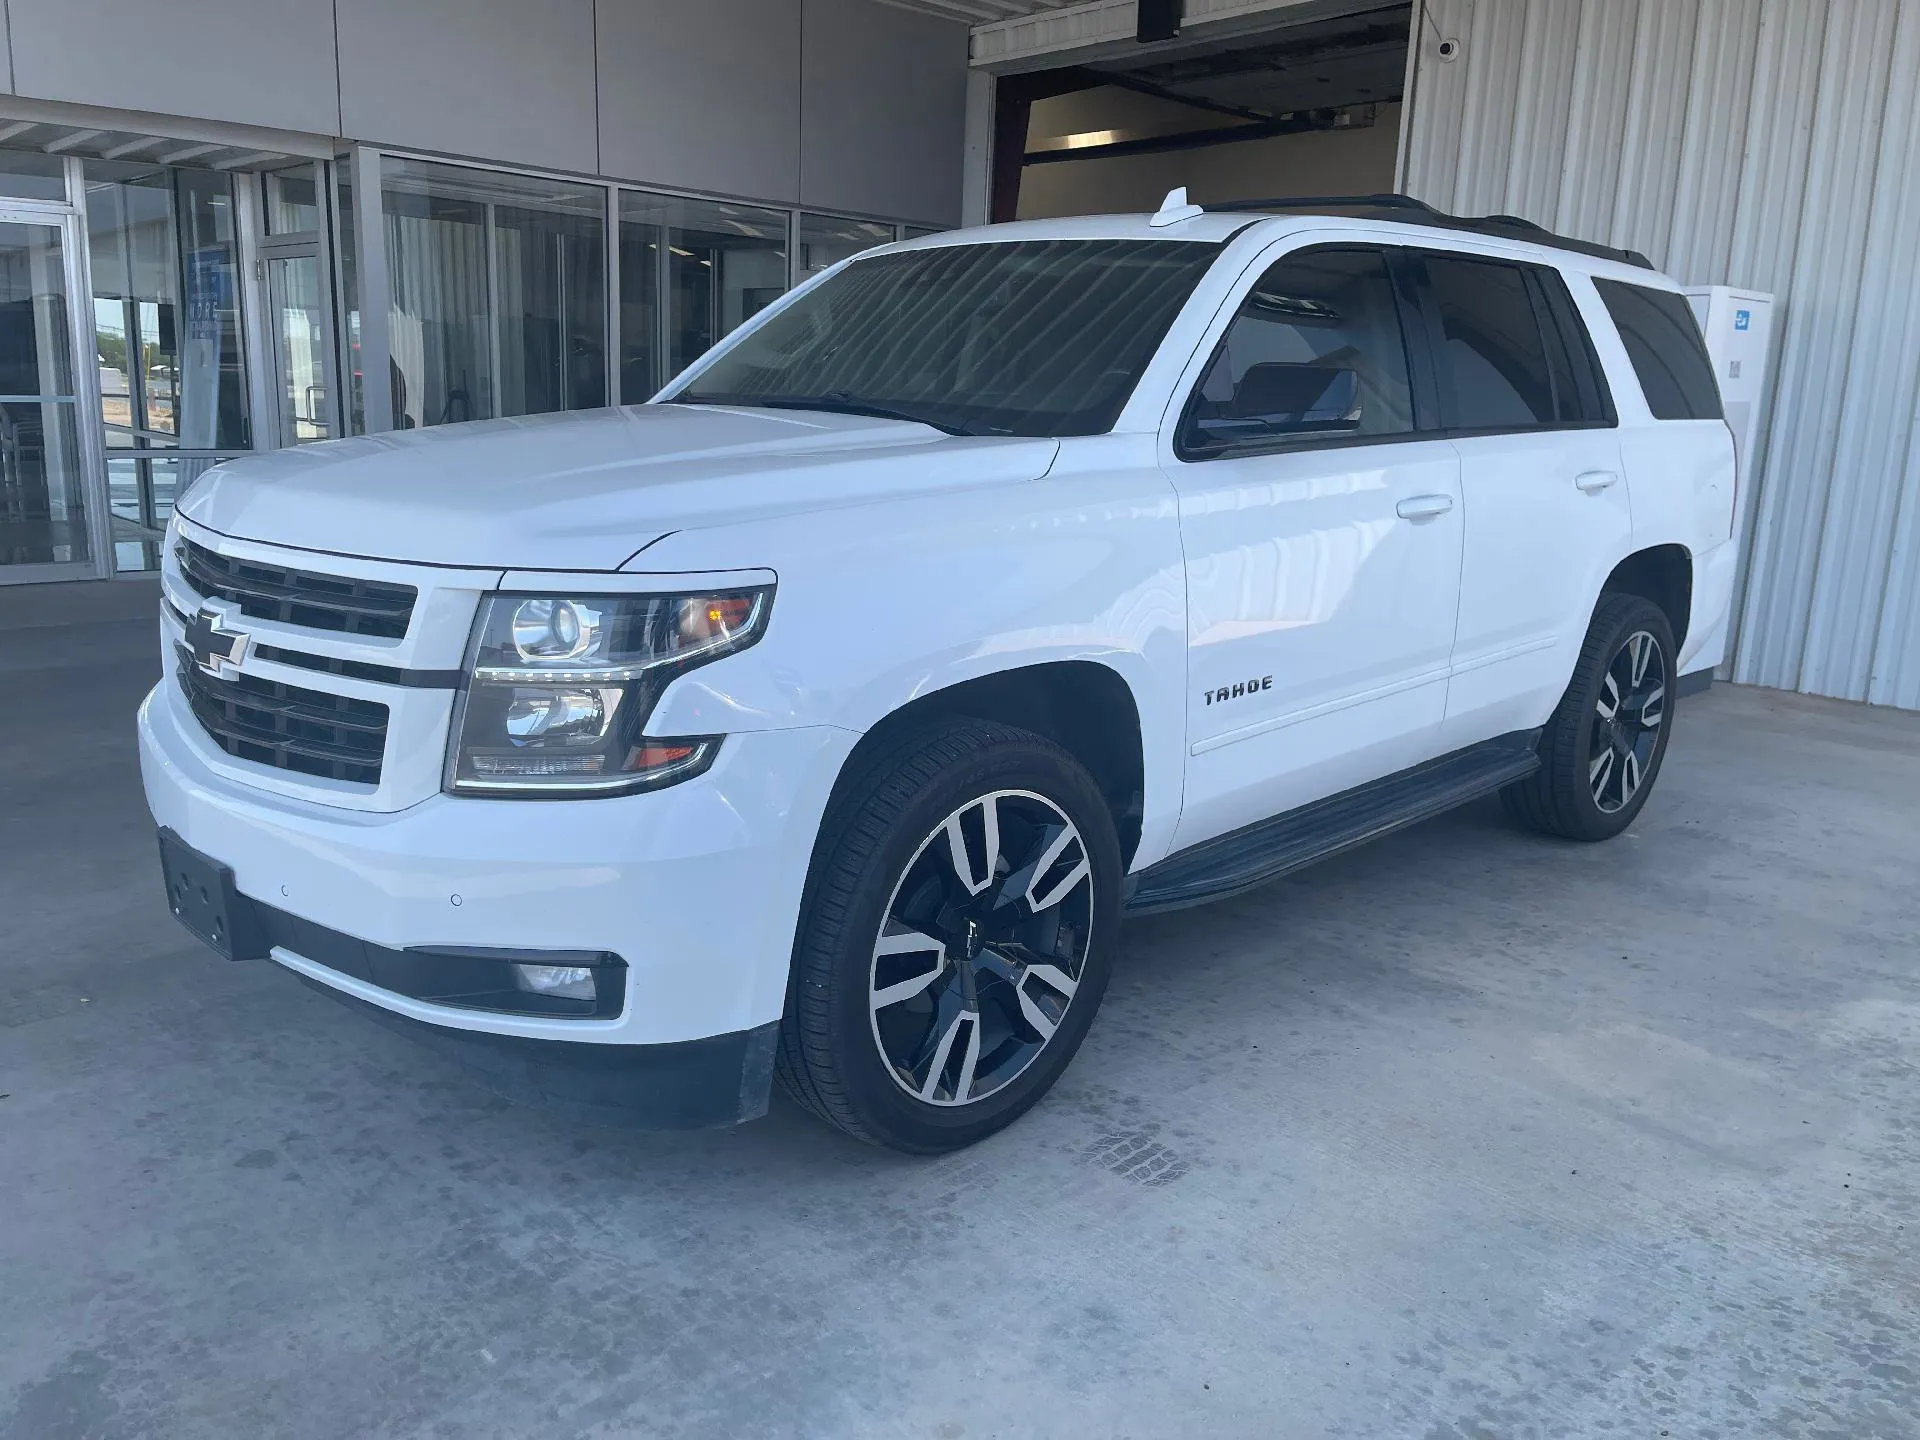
(256, 62)
(496, 79)
(883, 110)
(1707, 189)
(1550, 41)
(1768, 144)
(1656, 118)
(704, 96)
(1596, 123)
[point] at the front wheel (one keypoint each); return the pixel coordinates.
(1602, 749)
(956, 939)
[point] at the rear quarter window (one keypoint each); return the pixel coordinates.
(1668, 354)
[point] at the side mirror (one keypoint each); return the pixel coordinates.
(1288, 398)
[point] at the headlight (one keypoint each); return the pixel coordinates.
(559, 689)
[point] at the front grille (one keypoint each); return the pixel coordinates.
(298, 597)
(285, 726)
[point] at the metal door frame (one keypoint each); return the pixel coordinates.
(69, 216)
(258, 250)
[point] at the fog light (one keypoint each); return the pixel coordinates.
(568, 982)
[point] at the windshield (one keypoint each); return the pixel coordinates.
(1035, 337)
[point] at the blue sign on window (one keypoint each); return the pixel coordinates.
(1743, 319)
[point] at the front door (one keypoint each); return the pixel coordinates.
(50, 528)
(1322, 527)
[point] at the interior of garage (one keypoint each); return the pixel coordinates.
(1309, 108)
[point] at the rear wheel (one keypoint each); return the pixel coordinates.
(956, 939)
(1601, 750)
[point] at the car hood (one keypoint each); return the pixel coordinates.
(586, 490)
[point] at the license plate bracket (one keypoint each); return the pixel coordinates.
(202, 896)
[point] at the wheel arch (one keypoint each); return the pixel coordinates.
(1662, 574)
(1087, 708)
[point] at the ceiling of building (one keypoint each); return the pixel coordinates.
(1351, 60)
(66, 139)
(982, 12)
(1323, 74)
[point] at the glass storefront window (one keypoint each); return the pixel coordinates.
(43, 507)
(724, 264)
(826, 240)
(498, 293)
(32, 175)
(167, 336)
(642, 244)
(292, 199)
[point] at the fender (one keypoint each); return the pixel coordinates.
(881, 605)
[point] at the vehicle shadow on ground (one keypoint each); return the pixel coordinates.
(1228, 952)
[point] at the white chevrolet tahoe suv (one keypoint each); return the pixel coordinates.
(822, 718)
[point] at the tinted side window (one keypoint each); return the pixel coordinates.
(1664, 344)
(1580, 389)
(1493, 358)
(1315, 353)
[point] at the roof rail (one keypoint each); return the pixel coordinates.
(1417, 212)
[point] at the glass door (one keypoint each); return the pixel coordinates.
(296, 286)
(298, 311)
(46, 511)
(166, 321)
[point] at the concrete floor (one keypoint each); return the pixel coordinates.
(1468, 1134)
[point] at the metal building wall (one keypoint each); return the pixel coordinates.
(1769, 144)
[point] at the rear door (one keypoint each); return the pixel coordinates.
(1546, 510)
(1320, 515)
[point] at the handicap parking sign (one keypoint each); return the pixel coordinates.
(1743, 319)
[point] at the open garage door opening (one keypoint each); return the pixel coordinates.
(1309, 109)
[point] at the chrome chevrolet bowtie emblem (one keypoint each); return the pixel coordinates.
(216, 650)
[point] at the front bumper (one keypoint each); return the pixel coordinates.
(697, 887)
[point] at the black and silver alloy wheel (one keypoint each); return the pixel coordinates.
(959, 925)
(1626, 721)
(1602, 746)
(981, 947)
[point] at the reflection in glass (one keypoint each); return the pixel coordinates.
(166, 317)
(349, 273)
(724, 264)
(42, 504)
(498, 293)
(826, 240)
(641, 247)
(32, 175)
(553, 304)
(43, 517)
(300, 321)
(1315, 352)
(292, 199)
(141, 489)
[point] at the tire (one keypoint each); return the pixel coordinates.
(924, 1014)
(1579, 793)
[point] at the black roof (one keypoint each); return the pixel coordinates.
(1409, 211)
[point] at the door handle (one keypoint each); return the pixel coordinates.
(1592, 482)
(1422, 507)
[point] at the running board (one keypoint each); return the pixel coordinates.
(1272, 848)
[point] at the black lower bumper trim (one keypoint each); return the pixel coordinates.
(687, 1085)
(464, 977)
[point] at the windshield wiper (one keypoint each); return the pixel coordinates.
(834, 402)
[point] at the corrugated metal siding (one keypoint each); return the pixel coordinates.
(1766, 144)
